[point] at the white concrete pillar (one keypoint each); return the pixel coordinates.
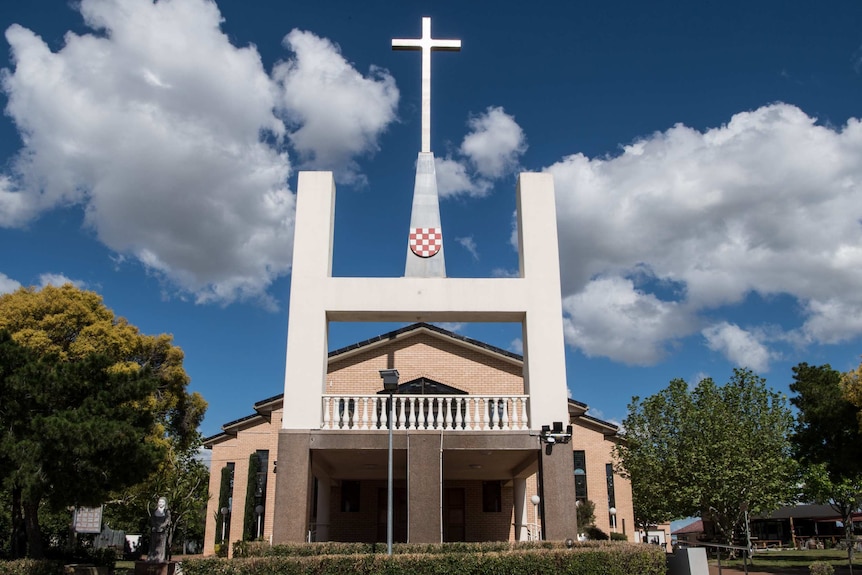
(519, 489)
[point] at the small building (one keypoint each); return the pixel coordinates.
(448, 384)
(801, 526)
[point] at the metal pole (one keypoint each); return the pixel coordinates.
(389, 493)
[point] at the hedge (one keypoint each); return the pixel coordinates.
(31, 567)
(538, 559)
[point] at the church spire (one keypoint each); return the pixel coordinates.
(425, 240)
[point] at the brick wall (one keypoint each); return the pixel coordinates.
(424, 355)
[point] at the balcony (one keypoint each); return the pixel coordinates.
(423, 412)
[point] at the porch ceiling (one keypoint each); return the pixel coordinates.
(459, 464)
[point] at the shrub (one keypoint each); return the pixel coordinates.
(596, 534)
(821, 568)
(619, 537)
(461, 558)
(30, 567)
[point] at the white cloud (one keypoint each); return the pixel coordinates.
(155, 127)
(451, 326)
(738, 345)
(469, 244)
(770, 203)
(517, 346)
(609, 317)
(57, 280)
(7, 284)
(334, 112)
(171, 138)
(494, 144)
(490, 151)
(453, 180)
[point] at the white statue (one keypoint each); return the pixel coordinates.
(160, 522)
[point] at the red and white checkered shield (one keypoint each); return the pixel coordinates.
(426, 242)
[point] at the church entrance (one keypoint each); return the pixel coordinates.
(399, 515)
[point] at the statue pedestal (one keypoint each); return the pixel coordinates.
(153, 568)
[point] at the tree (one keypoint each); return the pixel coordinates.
(651, 452)
(64, 329)
(72, 431)
(827, 441)
(852, 385)
(586, 513)
(711, 452)
(253, 496)
(183, 480)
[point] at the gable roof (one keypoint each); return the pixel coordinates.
(430, 329)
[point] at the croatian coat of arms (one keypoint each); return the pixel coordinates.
(425, 242)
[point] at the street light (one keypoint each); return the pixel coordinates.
(390, 385)
(613, 512)
(259, 512)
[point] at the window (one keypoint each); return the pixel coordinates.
(492, 496)
(580, 468)
(609, 472)
(350, 496)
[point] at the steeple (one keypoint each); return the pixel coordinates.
(425, 239)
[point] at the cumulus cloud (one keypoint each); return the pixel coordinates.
(57, 280)
(489, 152)
(738, 345)
(173, 139)
(453, 180)
(495, 143)
(334, 112)
(769, 203)
(611, 318)
(7, 284)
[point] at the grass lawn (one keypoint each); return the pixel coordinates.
(777, 560)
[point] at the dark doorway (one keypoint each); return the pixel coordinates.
(454, 512)
(399, 515)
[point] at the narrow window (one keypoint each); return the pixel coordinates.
(580, 469)
(609, 472)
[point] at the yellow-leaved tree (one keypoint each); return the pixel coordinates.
(67, 337)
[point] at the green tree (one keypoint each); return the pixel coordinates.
(851, 382)
(827, 441)
(224, 503)
(184, 481)
(252, 498)
(65, 326)
(710, 452)
(652, 452)
(71, 431)
(586, 514)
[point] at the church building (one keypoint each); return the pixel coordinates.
(449, 385)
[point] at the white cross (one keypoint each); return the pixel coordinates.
(426, 44)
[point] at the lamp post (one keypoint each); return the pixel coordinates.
(536, 535)
(259, 512)
(390, 385)
(224, 511)
(613, 512)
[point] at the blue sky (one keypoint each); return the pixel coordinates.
(707, 160)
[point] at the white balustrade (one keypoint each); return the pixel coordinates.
(442, 412)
